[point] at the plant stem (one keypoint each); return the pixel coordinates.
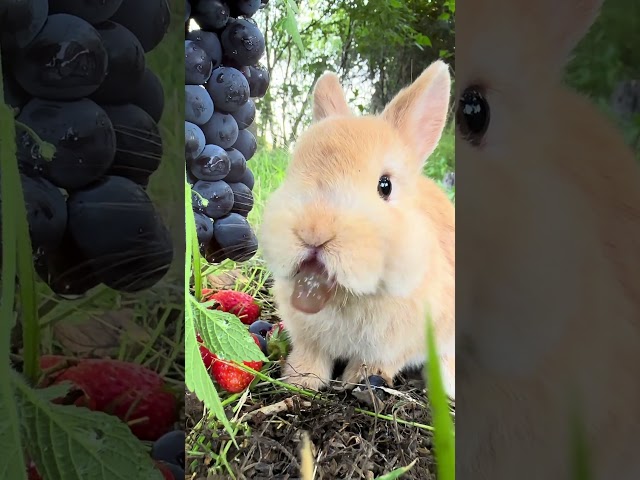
(17, 245)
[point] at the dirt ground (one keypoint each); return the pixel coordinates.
(347, 444)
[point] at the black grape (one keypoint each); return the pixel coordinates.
(65, 61)
(228, 88)
(242, 199)
(210, 44)
(14, 94)
(245, 115)
(93, 11)
(138, 143)
(211, 165)
(234, 235)
(82, 134)
(245, 7)
(148, 20)
(149, 95)
(214, 253)
(116, 227)
(243, 42)
(197, 64)
(221, 130)
(258, 81)
(247, 178)
(126, 64)
(238, 166)
(198, 106)
(194, 141)
(204, 229)
(191, 178)
(21, 21)
(218, 195)
(246, 144)
(211, 14)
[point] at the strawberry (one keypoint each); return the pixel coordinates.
(129, 391)
(230, 377)
(207, 356)
(278, 341)
(241, 304)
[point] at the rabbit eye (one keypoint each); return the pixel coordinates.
(384, 187)
(472, 115)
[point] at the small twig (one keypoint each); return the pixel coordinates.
(285, 405)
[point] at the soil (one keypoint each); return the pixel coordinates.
(347, 444)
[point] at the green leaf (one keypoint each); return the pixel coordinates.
(198, 379)
(224, 334)
(443, 435)
(290, 25)
(398, 472)
(68, 442)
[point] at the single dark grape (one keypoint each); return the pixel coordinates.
(14, 94)
(170, 448)
(126, 64)
(221, 130)
(245, 115)
(204, 229)
(149, 95)
(148, 20)
(211, 165)
(197, 64)
(260, 327)
(116, 227)
(194, 141)
(235, 236)
(229, 89)
(210, 44)
(211, 14)
(138, 143)
(258, 81)
(65, 61)
(214, 253)
(218, 195)
(198, 106)
(242, 199)
(46, 214)
(66, 270)
(247, 178)
(21, 21)
(246, 144)
(243, 42)
(244, 7)
(82, 134)
(238, 166)
(93, 11)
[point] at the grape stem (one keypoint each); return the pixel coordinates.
(47, 150)
(16, 250)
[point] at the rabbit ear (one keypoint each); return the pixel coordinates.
(328, 98)
(566, 22)
(419, 112)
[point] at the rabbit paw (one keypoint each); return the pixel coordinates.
(355, 374)
(306, 371)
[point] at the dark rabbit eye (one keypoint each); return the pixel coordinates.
(472, 115)
(384, 187)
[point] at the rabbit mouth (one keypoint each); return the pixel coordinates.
(313, 287)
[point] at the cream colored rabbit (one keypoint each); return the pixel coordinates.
(548, 205)
(359, 242)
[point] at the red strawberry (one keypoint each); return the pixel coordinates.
(230, 377)
(129, 391)
(207, 356)
(241, 304)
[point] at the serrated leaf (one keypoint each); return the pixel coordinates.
(443, 435)
(68, 442)
(10, 440)
(224, 334)
(398, 472)
(198, 379)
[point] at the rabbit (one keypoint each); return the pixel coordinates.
(372, 237)
(548, 214)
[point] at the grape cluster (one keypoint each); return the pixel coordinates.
(75, 75)
(223, 77)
